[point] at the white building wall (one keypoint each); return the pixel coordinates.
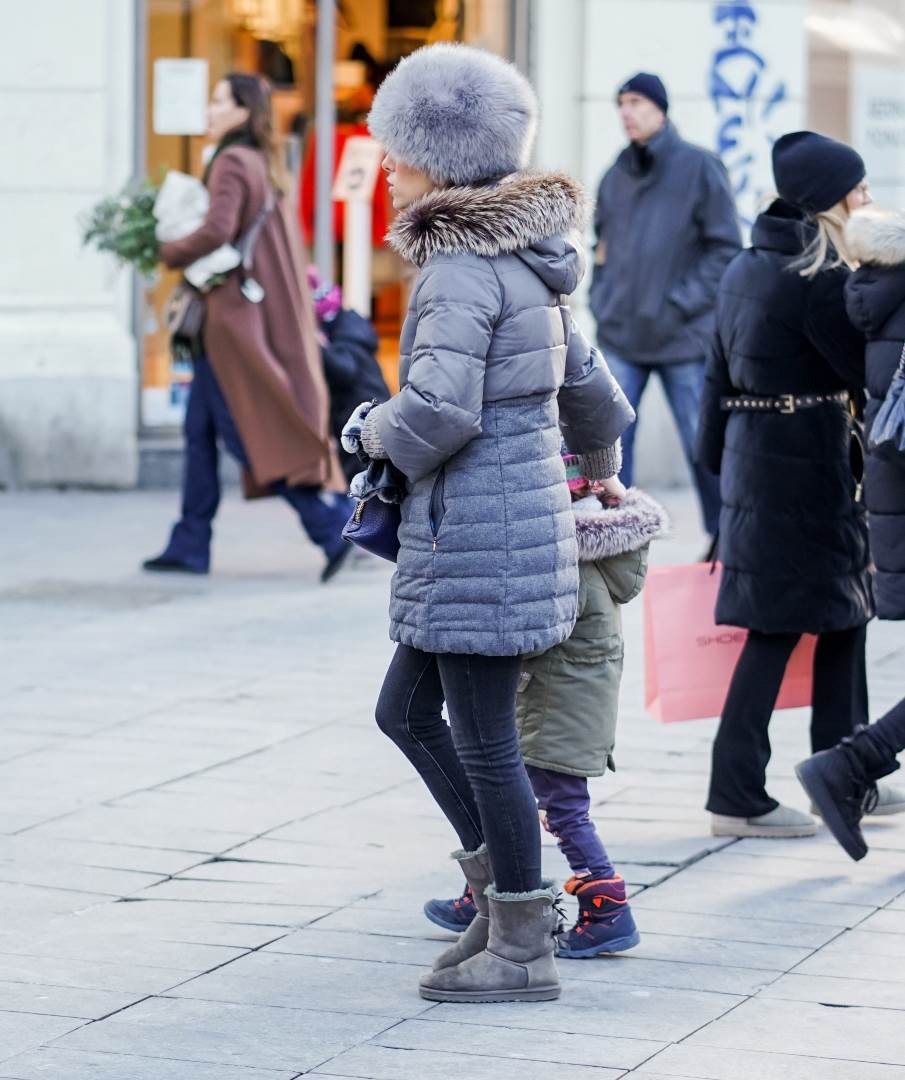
(68, 372)
(583, 49)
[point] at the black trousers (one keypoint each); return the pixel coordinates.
(741, 750)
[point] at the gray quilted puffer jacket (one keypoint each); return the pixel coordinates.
(491, 366)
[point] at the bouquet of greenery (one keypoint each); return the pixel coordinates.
(124, 224)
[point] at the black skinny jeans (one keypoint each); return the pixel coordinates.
(472, 766)
(741, 750)
(886, 737)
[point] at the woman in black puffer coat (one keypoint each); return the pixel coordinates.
(875, 301)
(775, 424)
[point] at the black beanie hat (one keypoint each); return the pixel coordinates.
(649, 86)
(814, 172)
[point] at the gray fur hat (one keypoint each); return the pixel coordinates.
(459, 114)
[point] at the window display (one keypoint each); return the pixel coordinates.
(277, 38)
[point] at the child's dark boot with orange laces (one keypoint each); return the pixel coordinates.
(605, 922)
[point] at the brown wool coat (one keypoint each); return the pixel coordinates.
(265, 356)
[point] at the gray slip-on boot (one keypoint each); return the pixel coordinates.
(783, 822)
(476, 868)
(518, 963)
(890, 800)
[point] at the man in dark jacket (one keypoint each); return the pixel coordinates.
(666, 228)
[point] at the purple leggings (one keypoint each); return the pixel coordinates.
(566, 801)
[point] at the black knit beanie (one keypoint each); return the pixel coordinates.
(649, 86)
(814, 172)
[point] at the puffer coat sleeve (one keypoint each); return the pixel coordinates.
(593, 411)
(830, 331)
(438, 410)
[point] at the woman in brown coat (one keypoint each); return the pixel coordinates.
(258, 383)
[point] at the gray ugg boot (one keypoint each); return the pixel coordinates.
(476, 868)
(518, 963)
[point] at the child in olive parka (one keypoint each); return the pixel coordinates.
(567, 707)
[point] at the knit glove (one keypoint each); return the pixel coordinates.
(351, 433)
(371, 442)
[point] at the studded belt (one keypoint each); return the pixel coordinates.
(786, 404)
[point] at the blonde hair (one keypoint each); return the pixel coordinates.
(830, 238)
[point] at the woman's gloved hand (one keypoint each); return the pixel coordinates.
(351, 433)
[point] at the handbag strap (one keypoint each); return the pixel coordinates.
(247, 243)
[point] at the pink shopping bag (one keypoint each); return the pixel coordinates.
(689, 660)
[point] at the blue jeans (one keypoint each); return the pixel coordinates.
(566, 802)
(207, 420)
(471, 766)
(683, 384)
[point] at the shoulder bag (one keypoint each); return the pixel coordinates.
(185, 309)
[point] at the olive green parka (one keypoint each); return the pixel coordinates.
(569, 696)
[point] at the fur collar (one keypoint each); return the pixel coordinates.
(877, 237)
(606, 531)
(491, 220)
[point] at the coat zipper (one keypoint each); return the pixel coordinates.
(437, 508)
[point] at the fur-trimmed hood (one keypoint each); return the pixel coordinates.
(876, 237)
(604, 531)
(538, 216)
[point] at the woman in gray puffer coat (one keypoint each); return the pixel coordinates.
(491, 366)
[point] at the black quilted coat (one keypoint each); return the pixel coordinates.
(875, 298)
(793, 540)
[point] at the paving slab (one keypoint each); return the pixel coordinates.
(853, 1034)
(722, 951)
(51, 1000)
(847, 990)
(383, 1063)
(101, 975)
(52, 1063)
(887, 921)
(731, 927)
(586, 1008)
(599, 1051)
(221, 1033)
(682, 975)
(21, 1031)
(777, 899)
(125, 947)
(357, 946)
(706, 1063)
(313, 982)
(857, 952)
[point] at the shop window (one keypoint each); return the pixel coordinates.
(277, 38)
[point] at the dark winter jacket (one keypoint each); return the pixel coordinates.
(875, 300)
(667, 220)
(353, 374)
(569, 696)
(490, 365)
(793, 540)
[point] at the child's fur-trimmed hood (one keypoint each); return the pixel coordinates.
(876, 236)
(514, 215)
(604, 531)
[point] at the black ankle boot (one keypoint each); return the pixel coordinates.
(842, 784)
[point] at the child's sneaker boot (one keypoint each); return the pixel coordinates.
(605, 922)
(453, 915)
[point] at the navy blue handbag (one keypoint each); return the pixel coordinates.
(374, 526)
(889, 423)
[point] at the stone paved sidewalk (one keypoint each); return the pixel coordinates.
(212, 865)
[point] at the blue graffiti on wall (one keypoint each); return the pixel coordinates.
(745, 95)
